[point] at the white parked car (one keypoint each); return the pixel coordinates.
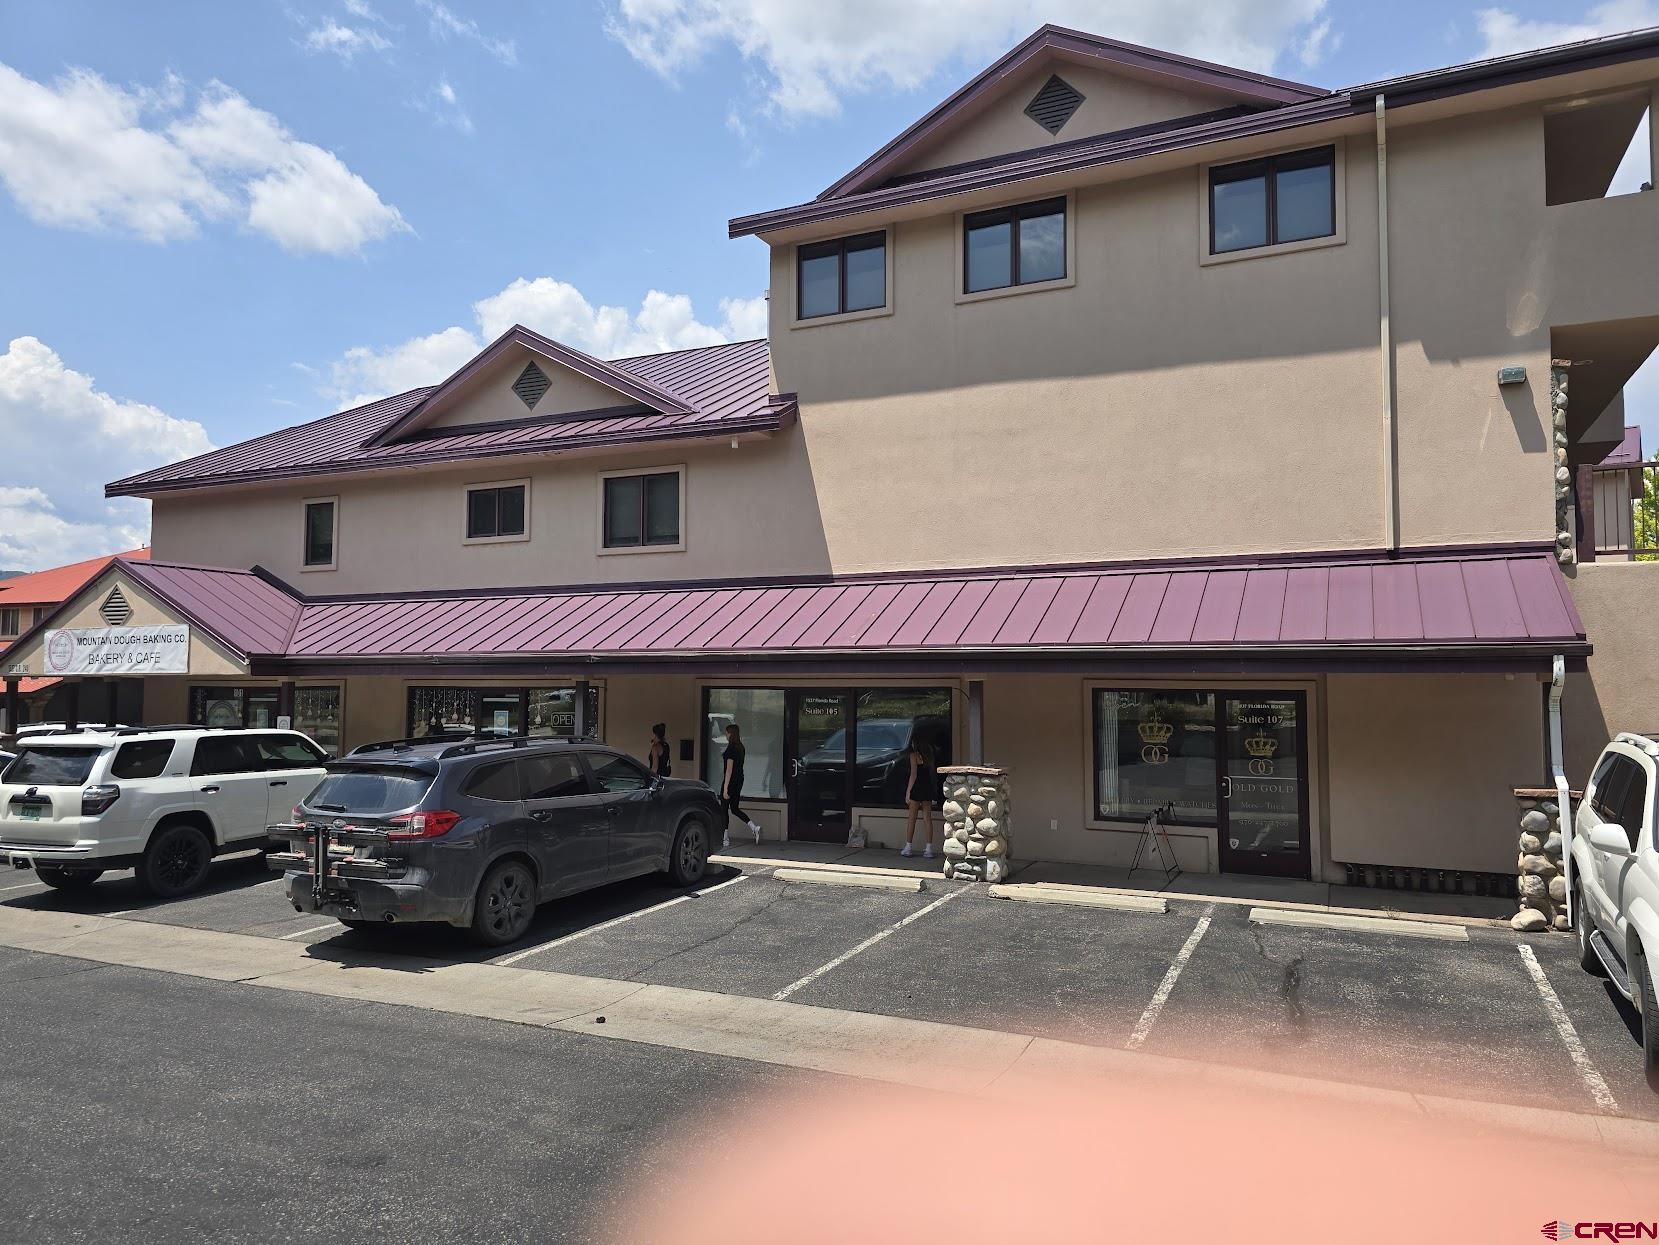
(162, 801)
(1616, 879)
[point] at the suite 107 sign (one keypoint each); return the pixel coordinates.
(118, 650)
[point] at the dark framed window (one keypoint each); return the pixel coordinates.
(456, 711)
(11, 619)
(1284, 198)
(1014, 246)
(1155, 747)
(495, 511)
(642, 510)
(319, 533)
(847, 274)
(316, 710)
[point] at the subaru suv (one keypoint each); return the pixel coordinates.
(161, 800)
(476, 834)
(1616, 879)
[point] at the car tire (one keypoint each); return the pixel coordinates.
(67, 879)
(176, 861)
(1583, 926)
(1647, 1007)
(505, 906)
(688, 859)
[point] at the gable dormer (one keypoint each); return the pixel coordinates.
(1058, 86)
(525, 376)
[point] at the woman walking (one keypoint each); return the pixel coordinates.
(731, 784)
(919, 795)
(659, 750)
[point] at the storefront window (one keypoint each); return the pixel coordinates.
(759, 714)
(317, 715)
(545, 711)
(217, 707)
(316, 710)
(1153, 748)
(886, 721)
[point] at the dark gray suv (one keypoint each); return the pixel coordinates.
(477, 833)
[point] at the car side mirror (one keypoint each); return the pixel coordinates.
(1610, 838)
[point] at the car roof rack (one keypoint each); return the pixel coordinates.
(404, 745)
(165, 726)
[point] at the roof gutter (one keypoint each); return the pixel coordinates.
(1390, 412)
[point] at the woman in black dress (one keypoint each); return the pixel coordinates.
(659, 750)
(731, 784)
(919, 795)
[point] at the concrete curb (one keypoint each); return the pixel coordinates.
(874, 1047)
(829, 877)
(1079, 897)
(1359, 924)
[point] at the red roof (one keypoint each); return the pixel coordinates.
(1433, 603)
(59, 583)
(714, 391)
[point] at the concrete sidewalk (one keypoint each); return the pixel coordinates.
(1209, 887)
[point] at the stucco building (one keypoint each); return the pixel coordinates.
(1167, 433)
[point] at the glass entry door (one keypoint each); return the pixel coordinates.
(1263, 798)
(818, 731)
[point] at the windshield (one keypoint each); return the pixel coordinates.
(369, 791)
(51, 767)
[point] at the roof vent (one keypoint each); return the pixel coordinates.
(116, 611)
(1054, 105)
(532, 382)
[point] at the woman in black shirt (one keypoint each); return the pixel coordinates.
(659, 750)
(731, 785)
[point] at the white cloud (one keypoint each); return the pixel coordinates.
(52, 507)
(811, 56)
(445, 105)
(83, 153)
(1318, 44)
(445, 25)
(1503, 31)
(345, 41)
(555, 309)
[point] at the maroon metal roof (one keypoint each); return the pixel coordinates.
(723, 390)
(1440, 601)
(1628, 452)
(859, 192)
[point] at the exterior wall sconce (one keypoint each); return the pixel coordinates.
(1512, 376)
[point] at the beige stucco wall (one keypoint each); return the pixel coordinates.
(1111, 101)
(749, 511)
(1423, 767)
(1619, 603)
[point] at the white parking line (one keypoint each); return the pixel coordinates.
(313, 929)
(26, 886)
(1149, 1017)
(1569, 1035)
(869, 942)
(619, 920)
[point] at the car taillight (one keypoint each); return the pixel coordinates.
(297, 816)
(423, 825)
(96, 800)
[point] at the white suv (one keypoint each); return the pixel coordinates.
(162, 801)
(1616, 879)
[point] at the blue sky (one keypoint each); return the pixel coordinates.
(217, 219)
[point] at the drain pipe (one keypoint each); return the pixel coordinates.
(1391, 470)
(1563, 802)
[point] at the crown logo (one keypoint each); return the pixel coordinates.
(1155, 732)
(1261, 744)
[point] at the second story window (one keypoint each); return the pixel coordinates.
(1284, 198)
(1014, 246)
(319, 534)
(642, 511)
(497, 511)
(848, 274)
(11, 621)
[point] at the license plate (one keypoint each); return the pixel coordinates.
(28, 812)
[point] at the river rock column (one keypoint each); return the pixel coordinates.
(1564, 551)
(977, 822)
(1540, 882)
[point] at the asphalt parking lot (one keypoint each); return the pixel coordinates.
(1466, 1018)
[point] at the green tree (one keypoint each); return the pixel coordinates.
(1645, 527)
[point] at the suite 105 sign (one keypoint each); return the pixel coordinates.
(118, 650)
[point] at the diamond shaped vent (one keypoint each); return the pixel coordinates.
(532, 382)
(116, 611)
(1054, 105)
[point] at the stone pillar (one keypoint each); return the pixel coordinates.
(1563, 473)
(977, 822)
(1539, 880)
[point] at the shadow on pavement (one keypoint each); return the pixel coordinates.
(118, 890)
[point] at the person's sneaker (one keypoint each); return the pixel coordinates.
(726, 839)
(907, 851)
(927, 852)
(756, 828)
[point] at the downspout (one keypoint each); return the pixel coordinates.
(1391, 470)
(1563, 801)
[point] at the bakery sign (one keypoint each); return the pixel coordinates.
(118, 650)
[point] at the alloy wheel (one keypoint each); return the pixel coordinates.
(507, 903)
(693, 852)
(180, 860)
